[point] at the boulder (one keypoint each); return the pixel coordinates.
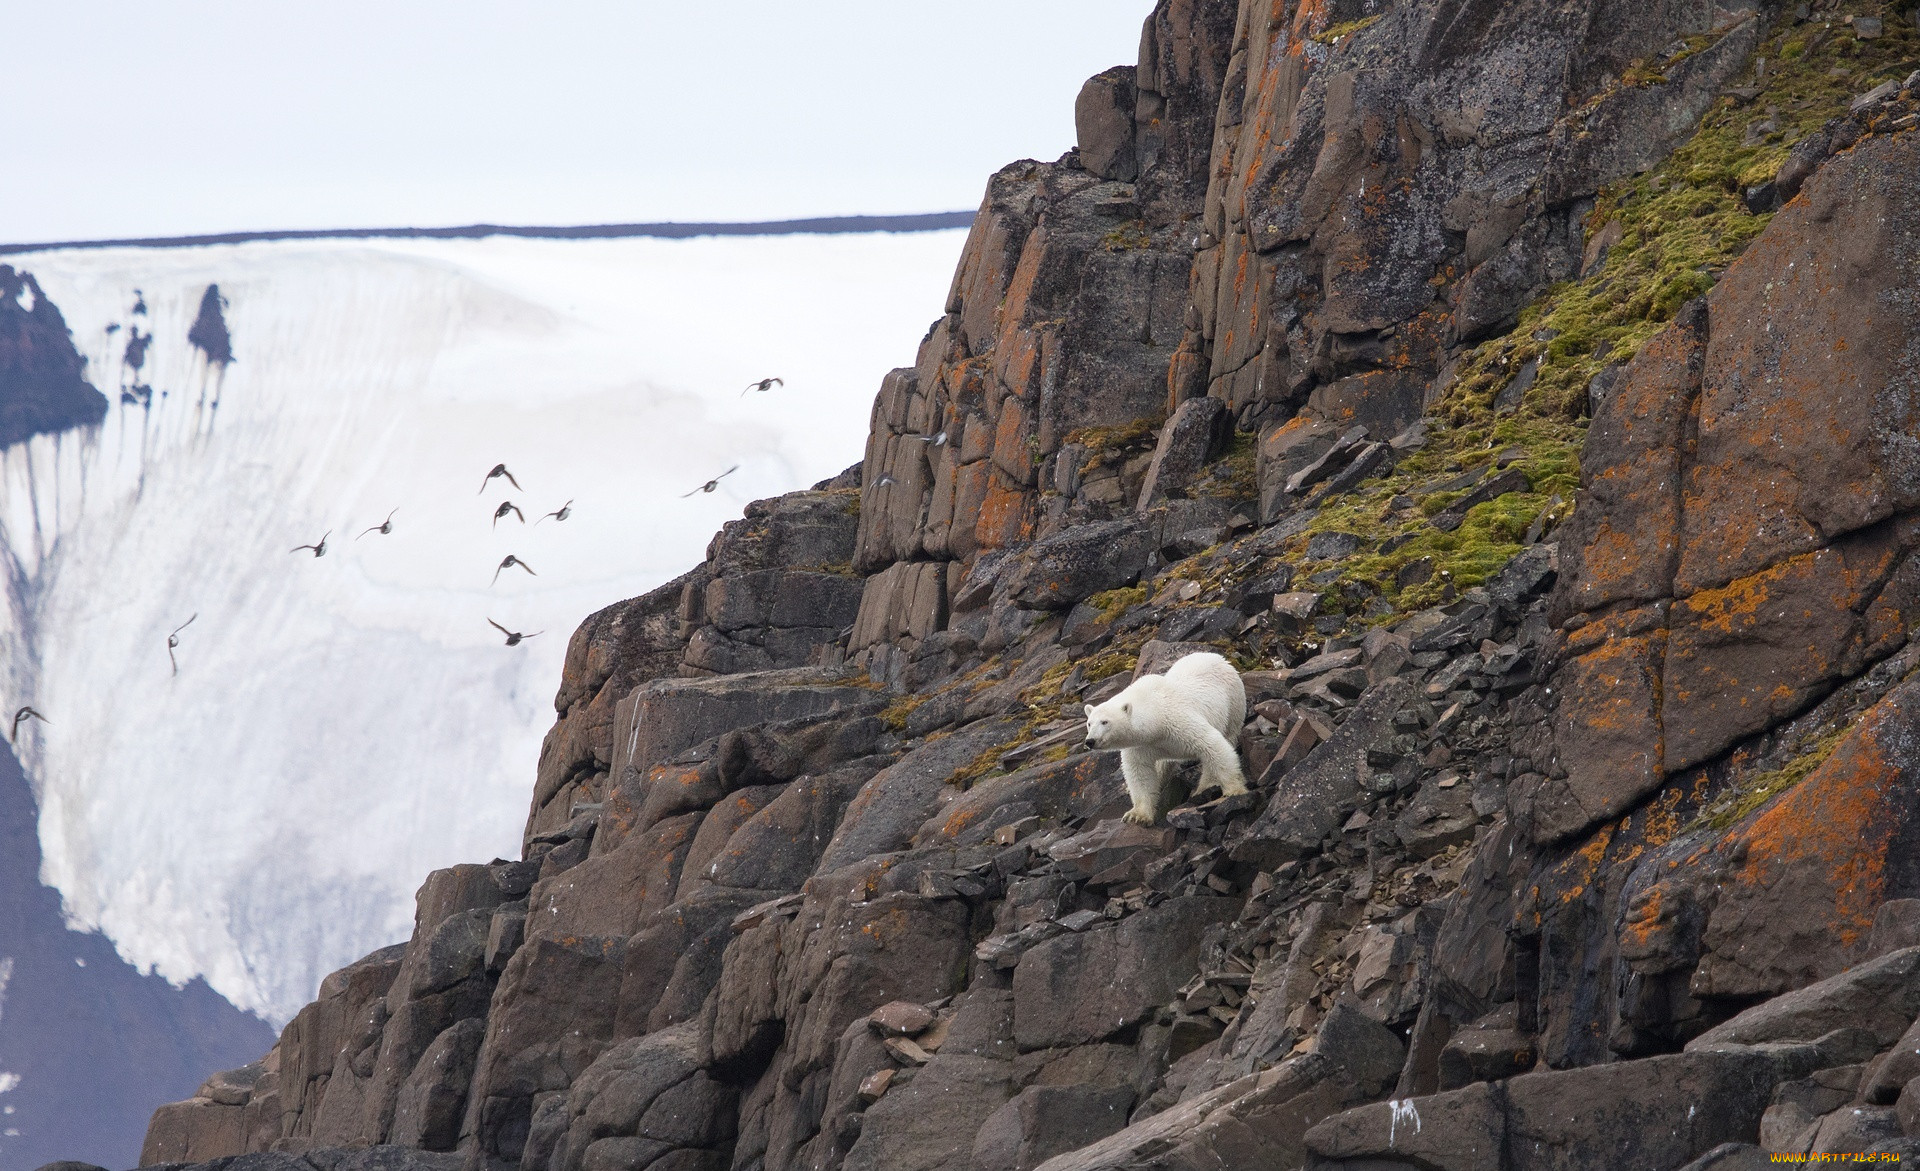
(1882, 997)
(1656, 1112)
(1043, 1121)
(1257, 1121)
(669, 716)
(1198, 431)
(554, 1013)
(902, 796)
(1080, 562)
(433, 1101)
(929, 1124)
(906, 600)
(1081, 988)
(778, 845)
(1437, 818)
(1103, 124)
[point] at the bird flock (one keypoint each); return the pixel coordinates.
(385, 528)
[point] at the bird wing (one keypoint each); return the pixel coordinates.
(701, 488)
(496, 575)
(518, 513)
(187, 623)
(526, 567)
(500, 628)
(374, 529)
(510, 479)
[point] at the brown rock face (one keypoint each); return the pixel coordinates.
(1741, 541)
(1807, 875)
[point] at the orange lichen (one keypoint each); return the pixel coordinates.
(1838, 824)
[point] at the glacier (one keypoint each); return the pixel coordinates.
(264, 815)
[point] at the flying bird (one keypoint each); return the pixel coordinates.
(710, 485)
(939, 440)
(319, 550)
(513, 637)
(173, 640)
(883, 481)
(383, 528)
(499, 470)
(507, 506)
(25, 713)
(765, 384)
(560, 513)
(509, 563)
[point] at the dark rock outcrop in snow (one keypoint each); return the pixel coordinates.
(86, 1041)
(43, 379)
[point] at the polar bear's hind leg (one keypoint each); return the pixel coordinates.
(1219, 763)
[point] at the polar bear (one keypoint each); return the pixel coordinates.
(1192, 712)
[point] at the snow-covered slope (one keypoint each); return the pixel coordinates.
(264, 815)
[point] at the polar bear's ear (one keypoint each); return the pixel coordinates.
(1127, 708)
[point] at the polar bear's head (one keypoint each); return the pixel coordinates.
(1110, 724)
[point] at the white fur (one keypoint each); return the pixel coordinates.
(1193, 712)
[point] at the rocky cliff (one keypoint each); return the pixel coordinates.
(1523, 395)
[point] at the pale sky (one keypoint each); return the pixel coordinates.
(171, 117)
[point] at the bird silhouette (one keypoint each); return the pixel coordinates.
(883, 481)
(939, 440)
(513, 637)
(560, 513)
(25, 713)
(507, 506)
(319, 550)
(173, 640)
(710, 485)
(765, 384)
(383, 528)
(499, 470)
(509, 562)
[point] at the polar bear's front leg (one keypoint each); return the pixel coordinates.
(1141, 768)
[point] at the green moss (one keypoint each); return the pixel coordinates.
(1131, 236)
(1344, 29)
(895, 714)
(1114, 602)
(1107, 445)
(1746, 798)
(1236, 474)
(982, 766)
